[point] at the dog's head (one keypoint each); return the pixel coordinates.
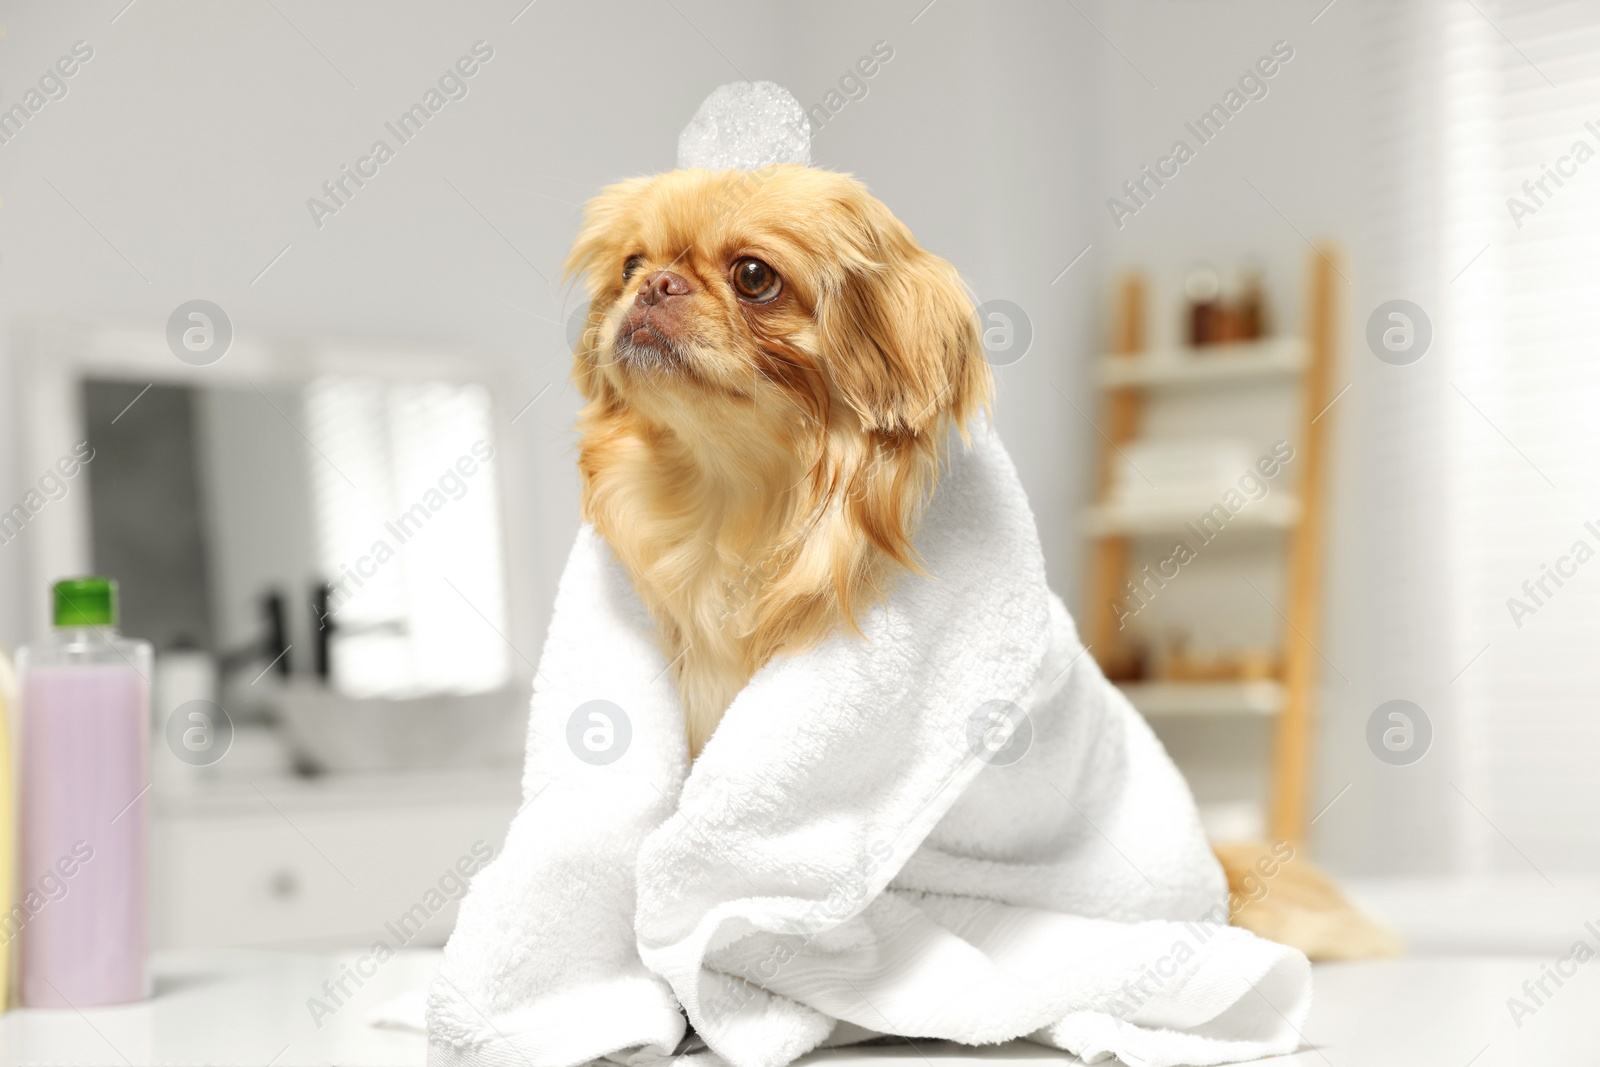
(752, 299)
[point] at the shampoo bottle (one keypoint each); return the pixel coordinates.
(82, 899)
(8, 827)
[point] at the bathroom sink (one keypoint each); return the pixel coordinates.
(333, 732)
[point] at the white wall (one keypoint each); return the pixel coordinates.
(193, 138)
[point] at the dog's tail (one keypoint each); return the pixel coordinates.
(1289, 901)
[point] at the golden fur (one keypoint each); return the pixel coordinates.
(1277, 894)
(759, 469)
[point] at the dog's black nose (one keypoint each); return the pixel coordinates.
(659, 285)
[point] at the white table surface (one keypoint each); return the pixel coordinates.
(250, 1008)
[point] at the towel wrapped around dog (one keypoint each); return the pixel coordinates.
(948, 827)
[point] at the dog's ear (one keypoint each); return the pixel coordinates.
(899, 336)
(598, 254)
(597, 248)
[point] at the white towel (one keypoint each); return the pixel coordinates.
(841, 861)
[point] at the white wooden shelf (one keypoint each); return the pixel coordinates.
(1276, 357)
(1200, 699)
(1121, 519)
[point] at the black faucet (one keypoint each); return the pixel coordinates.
(322, 634)
(272, 646)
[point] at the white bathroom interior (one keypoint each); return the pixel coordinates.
(398, 378)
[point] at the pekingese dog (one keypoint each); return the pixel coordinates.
(772, 367)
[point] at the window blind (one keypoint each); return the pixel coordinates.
(1521, 246)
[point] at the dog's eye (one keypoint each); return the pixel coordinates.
(755, 281)
(631, 267)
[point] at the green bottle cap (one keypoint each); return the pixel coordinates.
(86, 602)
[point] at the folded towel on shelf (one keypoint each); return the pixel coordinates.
(951, 827)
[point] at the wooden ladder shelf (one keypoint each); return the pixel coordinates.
(1128, 376)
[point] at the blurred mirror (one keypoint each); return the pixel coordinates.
(327, 556)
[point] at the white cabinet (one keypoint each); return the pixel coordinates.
(336, 862)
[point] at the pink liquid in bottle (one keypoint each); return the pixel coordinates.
(83, 904)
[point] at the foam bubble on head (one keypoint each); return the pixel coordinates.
(746, 126)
